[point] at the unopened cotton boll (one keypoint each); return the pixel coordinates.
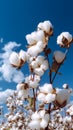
(59, 56)
(62, 95)
(14, 59)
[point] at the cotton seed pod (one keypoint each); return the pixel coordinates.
(22, 55)
(59, 56)
(14, 59)
(64, 39)
(22, 86)
(47, 27)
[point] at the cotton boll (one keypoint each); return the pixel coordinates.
(30, 39)
(38, 71)
(33, 84)
(14, 59)
(43, 124)
(49, 98)
(41, 97)
(46, 88)
(62, 95)
(40, 59)
(37, 78)
(23, 93)
(64, 39)
(35, 116)
(22, 55)
(34, 64)
(40, 36)
(67, 35)
(65, 86)
(34, 51)
(41, 45)
(46, 26)
(45, 65)
(20, 86)
(34, 124)
(59, 40)
(59, 56)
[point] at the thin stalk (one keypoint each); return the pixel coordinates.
(34, 103)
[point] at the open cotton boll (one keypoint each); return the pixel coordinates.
(45, 26)
(35, 116)
(33, 84)
(38, 71)
(49, 98)
(65, 86)
(59, 56)
(59, 40)
(43, 123)
(40, 36)
(34, 50)
(23, 93)
(46, 88)
(41, 45)
(30, 39)
(22, 55)
(67, 35)
(19, 86)
(40, 59)
(22, 86)
(64, 39)
(45, 65)
(41, 97)
(14, 59)
(34, 124)
(34, 64)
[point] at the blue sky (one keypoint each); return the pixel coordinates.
(20, 17)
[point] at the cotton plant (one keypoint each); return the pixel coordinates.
(33, 106)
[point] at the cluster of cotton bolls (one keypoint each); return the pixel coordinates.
(18, 59)
(39, 120)
(48, 102)
(16, 118)
(38, 40)
(38, 65)
(46, 93)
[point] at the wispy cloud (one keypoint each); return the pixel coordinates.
(9, 73)
(4, 95)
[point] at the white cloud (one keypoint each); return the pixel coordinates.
(5, 94)
(7, 71)
(1, 40)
